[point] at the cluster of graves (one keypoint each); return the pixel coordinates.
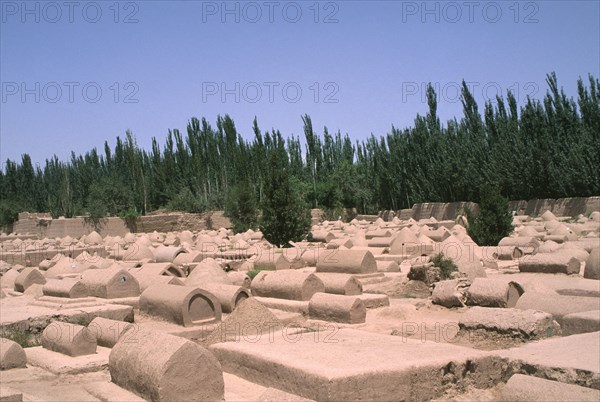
(213, 315)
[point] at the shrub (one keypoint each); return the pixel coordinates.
(257, 268)
(494, 220)
(97, 211)
(130, 216)
(251, 274)
(446, 265)
(9, 212)
(25, 339)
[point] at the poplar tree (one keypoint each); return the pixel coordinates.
(284, 214)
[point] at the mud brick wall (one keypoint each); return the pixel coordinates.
(449, 210)
(559, 207)
(74, 227)
(42, 225)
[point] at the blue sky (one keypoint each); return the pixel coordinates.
(76, 74)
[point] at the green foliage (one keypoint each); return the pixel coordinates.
(285, 216)
(242, 208)
(494, 220)
(97, 212)
(186, 201)
(542, 148)
(130, 217)
(25, 339)
(446, 265)
(129, 214)
(9, 212)
(571, 219)
(108, 195)
(257, 268)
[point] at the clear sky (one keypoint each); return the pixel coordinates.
(75, 74)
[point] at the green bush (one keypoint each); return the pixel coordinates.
(97, 211)
(130, 216)
(9, 212)
(494, 220)
(251, 274)
(446, 265)
(25, 339)
(257, 268)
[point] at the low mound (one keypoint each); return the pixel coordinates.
(249, 321)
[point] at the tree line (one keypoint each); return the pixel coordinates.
(548, 148)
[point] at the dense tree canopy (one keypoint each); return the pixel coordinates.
(494, 220)
(544, 149)
(285, 216)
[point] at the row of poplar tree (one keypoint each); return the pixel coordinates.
(547, 148)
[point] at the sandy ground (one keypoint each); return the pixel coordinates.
(37, 384)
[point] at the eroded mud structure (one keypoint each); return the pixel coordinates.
(361, 313)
